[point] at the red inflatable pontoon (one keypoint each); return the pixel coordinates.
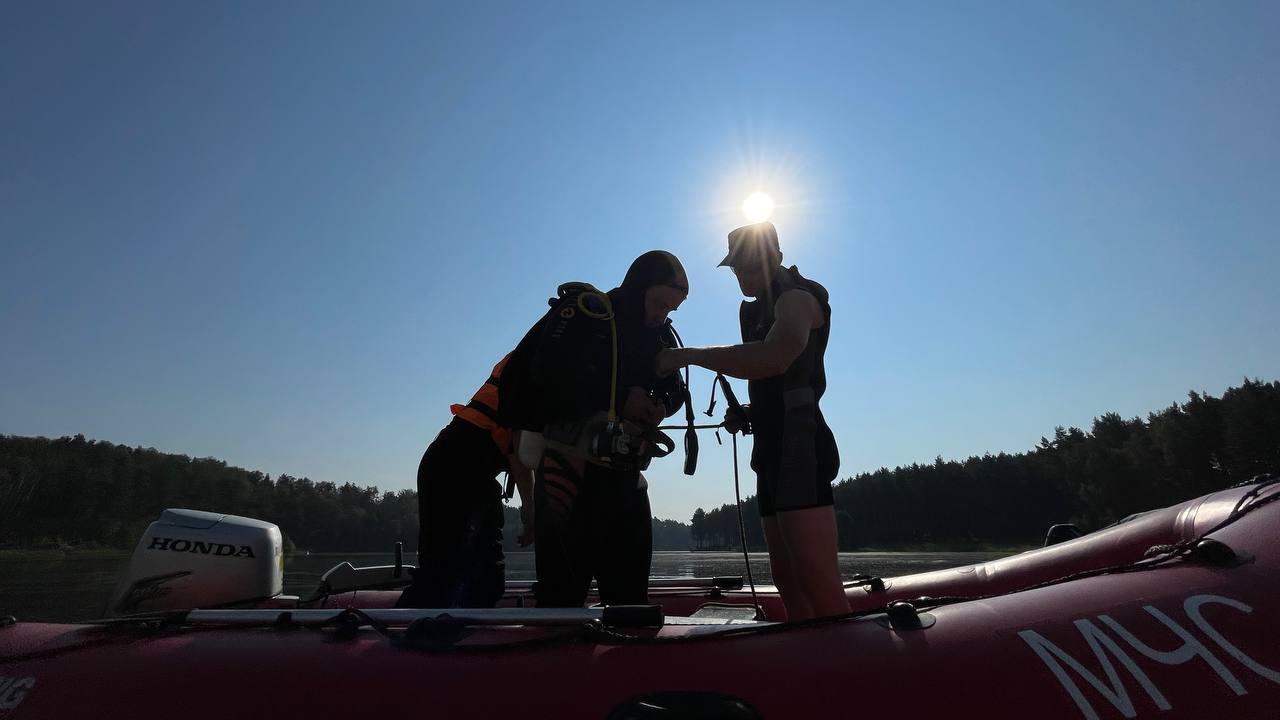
(1171, 614)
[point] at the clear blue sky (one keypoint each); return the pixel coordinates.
(289, 235)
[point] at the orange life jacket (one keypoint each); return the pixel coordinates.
(482, 411)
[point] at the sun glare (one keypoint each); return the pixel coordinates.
(757, 207)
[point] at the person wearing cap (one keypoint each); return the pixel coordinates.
(784, 332)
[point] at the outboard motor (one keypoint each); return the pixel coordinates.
(193, 559)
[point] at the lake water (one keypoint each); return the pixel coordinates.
(77, 588)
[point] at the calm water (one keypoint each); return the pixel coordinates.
(71, 588)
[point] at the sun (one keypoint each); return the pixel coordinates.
(757, 207)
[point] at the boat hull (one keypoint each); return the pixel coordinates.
(1195, 637)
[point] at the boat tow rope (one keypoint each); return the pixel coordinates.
(732, 401)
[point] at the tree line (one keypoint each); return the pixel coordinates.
(72, 492)
(1092, 479)
(85, 493)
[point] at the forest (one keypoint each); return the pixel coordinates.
(1090, 478)
(72, 492)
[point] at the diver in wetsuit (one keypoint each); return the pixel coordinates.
(794, 455)
(460, 518)
(582, 389)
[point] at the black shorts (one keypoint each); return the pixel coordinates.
(775, 494)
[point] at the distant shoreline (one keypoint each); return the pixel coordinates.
(55, 553)
(906, 548)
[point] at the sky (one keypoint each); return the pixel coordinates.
(290, 235)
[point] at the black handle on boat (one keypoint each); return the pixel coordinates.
(873, 583)
(903, 616)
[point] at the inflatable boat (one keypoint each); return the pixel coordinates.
(1173, 613)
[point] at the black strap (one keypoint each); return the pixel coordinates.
(690, 435)
(712, 405)
(484, 410)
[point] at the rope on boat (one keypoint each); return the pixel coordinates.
(737, 491)
(742, 530)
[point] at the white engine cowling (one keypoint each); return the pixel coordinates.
(195, 559)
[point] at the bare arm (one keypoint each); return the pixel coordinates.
(796, 314)
(523, 478)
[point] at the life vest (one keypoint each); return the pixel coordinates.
(482, 411)
(791, 434)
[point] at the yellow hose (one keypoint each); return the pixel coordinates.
(613, 333)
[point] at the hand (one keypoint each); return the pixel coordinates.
(737, 420)
(641, 408)
(668, 361)
(525, 539)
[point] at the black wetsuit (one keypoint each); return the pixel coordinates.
(460, 511)
(460, 559)
(590, 521)
(794, 453)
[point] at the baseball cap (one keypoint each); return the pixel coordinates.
(750, 242)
